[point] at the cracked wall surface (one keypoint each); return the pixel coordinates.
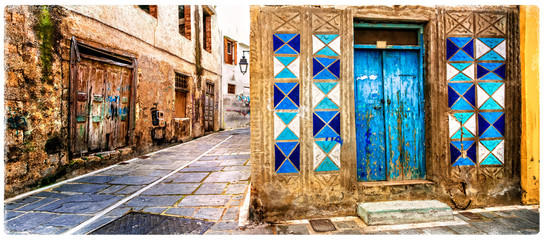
(37, 89)
(302, 191)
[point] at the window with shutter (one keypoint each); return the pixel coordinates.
(150, 9)
(232, 88)
(207, 22)
(182, 87)
(184, 20)
(230, 48)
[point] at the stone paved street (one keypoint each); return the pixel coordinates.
(207, 179)
(508, 220)
(211, 188)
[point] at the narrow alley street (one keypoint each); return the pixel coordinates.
(365, 119)
(205, 179)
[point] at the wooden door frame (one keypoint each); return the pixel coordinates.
(421, 75)
(75, 58)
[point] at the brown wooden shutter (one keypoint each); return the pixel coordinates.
(208, 33)
(226, 50)
(153, 10)
(180, 104)
(187, 9)
(234, 54)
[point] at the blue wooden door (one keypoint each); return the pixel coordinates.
(389, 115)
(369, 115)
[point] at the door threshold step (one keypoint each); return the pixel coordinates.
(404, 212)
(394, 183)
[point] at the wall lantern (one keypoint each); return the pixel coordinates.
(243, 63)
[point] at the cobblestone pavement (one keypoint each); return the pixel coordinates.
(207, 179)
(207, 185)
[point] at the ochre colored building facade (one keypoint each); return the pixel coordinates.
(530, 105)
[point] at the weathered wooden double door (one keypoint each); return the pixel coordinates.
(209, 107)
(389, 115)
(102, 106)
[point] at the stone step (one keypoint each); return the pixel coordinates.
(404, 212)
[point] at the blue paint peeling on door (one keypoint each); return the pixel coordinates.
(389, 115)
(369, 115)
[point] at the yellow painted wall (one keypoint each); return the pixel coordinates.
(530, 152)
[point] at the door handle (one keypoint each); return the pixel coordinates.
(388, 102)
(382, 101)
(377, 107)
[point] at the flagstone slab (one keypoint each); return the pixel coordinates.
(204, 200)
(134, 180)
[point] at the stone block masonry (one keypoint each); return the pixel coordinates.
(36, 116)
(403, 212)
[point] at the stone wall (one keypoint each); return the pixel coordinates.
(37, 60)
(308, 190)
(35, 97)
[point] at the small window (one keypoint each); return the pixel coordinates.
(390, 36)
(230, 51)
(207, 31)
(209, 88)
(232, 89)
(184, 20)
(149, 9)
(182, 82)
(182, 87)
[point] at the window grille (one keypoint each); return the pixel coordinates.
(181, 82)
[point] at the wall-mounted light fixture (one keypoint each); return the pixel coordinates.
(243, 63)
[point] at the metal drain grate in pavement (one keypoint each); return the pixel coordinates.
(145, 223)
(322, 225)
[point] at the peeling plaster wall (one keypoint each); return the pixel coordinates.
(234, 24)
(39, 108)
(236, 106)
(481, 184)
(307, 193)
(211, 60)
